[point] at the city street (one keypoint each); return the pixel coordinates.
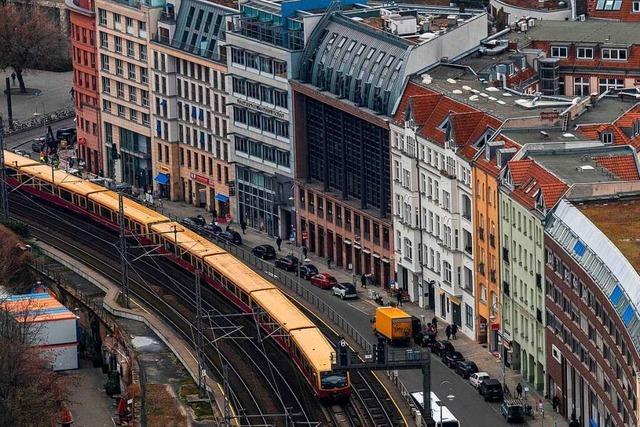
(23, 140)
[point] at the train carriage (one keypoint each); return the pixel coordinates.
(313, 351)
(138, 218)
(189, 248)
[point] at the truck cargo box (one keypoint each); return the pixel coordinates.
(393, 324)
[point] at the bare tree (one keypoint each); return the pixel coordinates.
(28, 38)
(15, 275)
(31, 393)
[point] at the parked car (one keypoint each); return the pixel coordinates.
(193, 223)
(37, 144)
(264, 251)
(211, 230)
(452, 358)
(324, 280)
(466, 368)
(477, 378)
(307, 271)
(231, 236)
(513, 410)
(442, 347)
(491, 389)
(345, 290)
(287, 263)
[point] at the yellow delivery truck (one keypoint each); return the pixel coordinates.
(393, 324)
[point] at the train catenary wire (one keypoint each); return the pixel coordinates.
(243, 286)
(188, 296)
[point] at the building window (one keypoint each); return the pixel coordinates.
(614, 54)
(447, 272)
(609, 84)
(468, 317)
(608, 4)
(408, 249)
(121, 110)
(104, 62)
(104, 40)
(585, 53)
(106, 85)
(607, 137)
(636, 6)
(103, 16)
(559, 51)
(581, 86)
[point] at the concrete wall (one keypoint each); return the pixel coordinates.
(515, 13)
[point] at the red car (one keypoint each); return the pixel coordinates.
(324, 280)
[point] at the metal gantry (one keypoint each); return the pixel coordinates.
(124, 266)
(4, 198)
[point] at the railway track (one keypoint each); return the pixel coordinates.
(259, 388)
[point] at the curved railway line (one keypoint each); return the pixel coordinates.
(275, 392)
(259, 387)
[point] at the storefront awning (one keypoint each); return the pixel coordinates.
(222, 198)
(162, 178)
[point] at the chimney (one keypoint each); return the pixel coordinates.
(503, 155)
(593, 98)
(491, 147)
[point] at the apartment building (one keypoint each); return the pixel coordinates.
(85, 83)
(576, 58)
(353, 71)
(264, 43)
(432, 148)
(591, 278)
(191, 152)
(617, 10)
(123, 39)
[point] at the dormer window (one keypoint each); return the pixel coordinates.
(606, 137)
(486, 136)
(636, 127)
(444, 126)
(608, 4)
(585, 53)
(540, 202)
(559, 51)
(614, 54)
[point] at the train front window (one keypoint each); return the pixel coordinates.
(330, 380)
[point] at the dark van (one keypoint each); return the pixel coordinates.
(491, 389)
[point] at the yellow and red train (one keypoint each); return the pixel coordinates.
(296, 334)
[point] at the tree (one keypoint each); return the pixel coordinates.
(28, 38)
(15, 275)
(31, 394)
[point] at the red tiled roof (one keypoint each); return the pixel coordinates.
(491, 165)
(624, 167)
(529, 178)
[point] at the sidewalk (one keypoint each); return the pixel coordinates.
(47, 92)
(471, 350)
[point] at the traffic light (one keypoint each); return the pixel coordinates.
(343, 353)
(380, 351)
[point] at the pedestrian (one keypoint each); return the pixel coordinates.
(328, 263)
(243, 226)
(519, 390)
(13, 79)
(279, 243)
(556, 403)
(399, 297)
(363, 281)
(214, 214)
(304, 252)
(447, 331)
(454, 331)
(540, 407)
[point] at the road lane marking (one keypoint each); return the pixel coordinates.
(359, 309)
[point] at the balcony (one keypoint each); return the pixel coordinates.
(505, 255)
(492, 240)
(481, 233)
(505, 288)
(539, 280)
(481, 268)
(492, 276)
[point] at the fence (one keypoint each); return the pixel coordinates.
(40, 121)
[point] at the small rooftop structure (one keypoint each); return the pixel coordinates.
(596, 32)
(53, 326)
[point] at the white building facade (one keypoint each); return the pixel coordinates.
(433, 225)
